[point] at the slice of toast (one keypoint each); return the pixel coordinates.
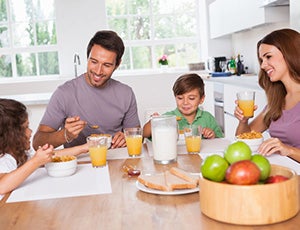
(175, 182)
(185, 175)
(156, 181)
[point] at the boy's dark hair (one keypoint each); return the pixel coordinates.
(108, 40)
(187, 83)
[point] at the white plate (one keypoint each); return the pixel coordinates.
(159, 192)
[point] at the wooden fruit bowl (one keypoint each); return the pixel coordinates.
(251, 204)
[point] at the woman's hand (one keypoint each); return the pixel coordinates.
(274, 145)
(208, 133)
(239, 114)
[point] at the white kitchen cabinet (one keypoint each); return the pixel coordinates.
(229, 16)
(229, 105)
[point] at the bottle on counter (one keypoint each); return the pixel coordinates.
(232, 66)
(239, 66)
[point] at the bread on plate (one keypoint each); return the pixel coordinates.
(170, 180)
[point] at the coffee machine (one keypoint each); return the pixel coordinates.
(214, 64)
(217, 63)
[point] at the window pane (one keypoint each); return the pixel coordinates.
(186, 51)
(125, 64)
(4, 37)
(140, 28)
(138, 7)
(26, 64)
(44, 9)
(48, 63)
(120, 26)
(141, 57)
(21, 10)
(168, 50)
(116, 7)
(5, 66)
(46, 34)
(23, 35)
(3, 11)
(186, 25)
(164, 27)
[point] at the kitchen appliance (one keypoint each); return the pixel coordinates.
(213, 64)
(219, 104)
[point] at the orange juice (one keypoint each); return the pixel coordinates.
(247, 106)
(134, 145)
(98, 156)
(193, 144)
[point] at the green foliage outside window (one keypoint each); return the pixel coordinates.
(152, 28)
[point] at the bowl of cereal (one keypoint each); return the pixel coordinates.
(61, 166)
(253, 139)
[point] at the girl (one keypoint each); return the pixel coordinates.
(15, 134)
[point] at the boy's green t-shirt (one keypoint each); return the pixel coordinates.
(203, 118)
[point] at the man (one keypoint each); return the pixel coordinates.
(93, 102)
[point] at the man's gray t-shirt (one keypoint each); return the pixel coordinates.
(112, 107)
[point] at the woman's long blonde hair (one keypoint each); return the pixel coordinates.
(288, 42)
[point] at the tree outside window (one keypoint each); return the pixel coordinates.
(28, 43)
(152, 28)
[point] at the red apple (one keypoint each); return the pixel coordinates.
(276, 179)
(243, 172)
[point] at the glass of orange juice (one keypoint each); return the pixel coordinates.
(97, 150)
(246, 102)
(193, 137)
(134, 141)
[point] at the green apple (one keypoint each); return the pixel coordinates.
(214, 168)
(263, 164)
(237, 151)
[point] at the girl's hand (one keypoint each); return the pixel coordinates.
(208, 133)
(274, 145)
(44, 154)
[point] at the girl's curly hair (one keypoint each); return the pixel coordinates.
(13, 140)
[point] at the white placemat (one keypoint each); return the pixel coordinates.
(112, 154)
(86, 181)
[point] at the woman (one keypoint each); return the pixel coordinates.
(279, 58)
(15, 134)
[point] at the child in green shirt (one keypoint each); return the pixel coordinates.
(189, 94)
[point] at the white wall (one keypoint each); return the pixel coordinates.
(77, 22)
(245, 43)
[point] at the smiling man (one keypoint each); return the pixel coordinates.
(93, 102)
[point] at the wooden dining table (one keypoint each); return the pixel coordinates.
(125, 208)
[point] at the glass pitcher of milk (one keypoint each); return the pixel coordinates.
(164, 138)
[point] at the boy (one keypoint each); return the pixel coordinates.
(189, 94)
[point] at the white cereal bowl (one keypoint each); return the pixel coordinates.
(253, 143)
(62, 168)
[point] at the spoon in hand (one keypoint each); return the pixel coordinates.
(93, 126)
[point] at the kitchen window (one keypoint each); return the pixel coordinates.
(28, 43)
(152, 28)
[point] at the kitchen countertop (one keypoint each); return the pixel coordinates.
(250, 81)
(30, 99)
